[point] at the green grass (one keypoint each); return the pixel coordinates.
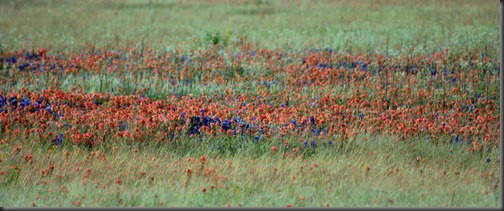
(379, 26)
(412, 175)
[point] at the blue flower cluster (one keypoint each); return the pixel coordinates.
(59, 139)
(23, 103)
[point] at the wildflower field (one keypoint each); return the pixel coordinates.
(231, 103)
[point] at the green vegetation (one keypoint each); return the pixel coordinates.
(155, 38)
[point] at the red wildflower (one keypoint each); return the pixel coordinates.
(188, 171)
(274, 148)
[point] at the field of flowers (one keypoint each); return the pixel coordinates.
(223, 120)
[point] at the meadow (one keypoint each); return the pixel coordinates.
(230, 103)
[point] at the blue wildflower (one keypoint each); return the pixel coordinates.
(305, 144)
(183, 114)
(122, 126)
(236, 119)
(313, 144)
(25, 102)
(330, 143)
(256, 138)
(13, 60)
(433, 72)
(226, 125)
(3, 101)
(13, 102)
(48, 108)
(195, 120)
(23, 66)
(59, 139)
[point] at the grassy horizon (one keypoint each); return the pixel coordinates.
(393, 26)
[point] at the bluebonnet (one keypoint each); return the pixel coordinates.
(59, 139)
(433, 72)
(361, 115)
(354, 65)
(207, 120)
(122, 126)
(31, 56)
(293, 122)
(13, 102)
(236, 119)
(226, 125)
(196, 124)
(315, 131)
(313, 144)
(256, 138)
(343, 64)
(312, 120)
(48, 108)
(25, 102)
(245, 127)
(183, 114)
(12, 60)
(323, 66)
(330, 143)
(24, 66)
(365, 67)
(305, 143)
(455, 139)
(3, 101)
